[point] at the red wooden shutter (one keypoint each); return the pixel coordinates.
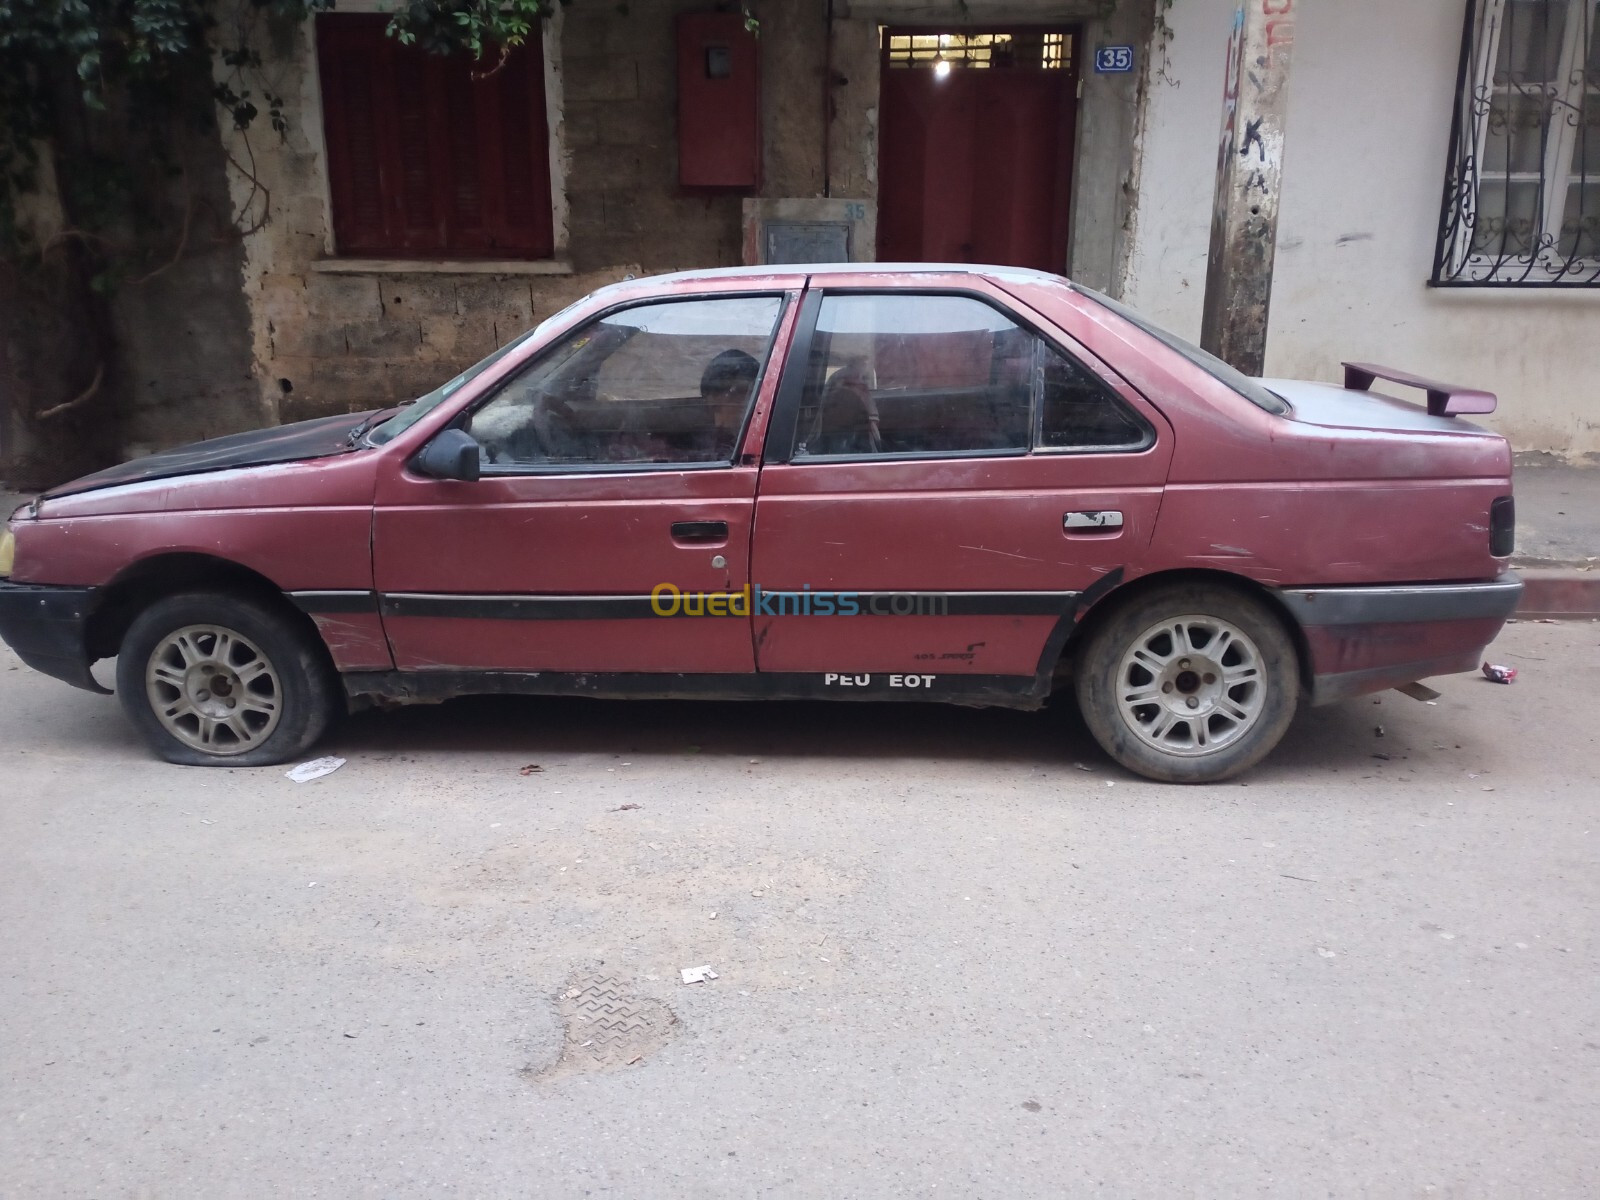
(427, 159)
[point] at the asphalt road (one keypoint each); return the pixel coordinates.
(950, 961)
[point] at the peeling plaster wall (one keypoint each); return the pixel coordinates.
(326, 341)
(1370, 98)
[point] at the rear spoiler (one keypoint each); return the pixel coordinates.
(1444, 399)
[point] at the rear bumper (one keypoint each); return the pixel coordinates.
(1367, 639)
(47, 627)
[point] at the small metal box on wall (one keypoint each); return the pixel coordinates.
(809, 229)
(719, 102)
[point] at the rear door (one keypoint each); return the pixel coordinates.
(946, 474)
(615, 474)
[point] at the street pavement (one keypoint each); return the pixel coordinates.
(957, 953)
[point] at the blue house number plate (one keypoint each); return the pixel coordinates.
(1113, 60)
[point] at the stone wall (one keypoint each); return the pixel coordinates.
(328, 340)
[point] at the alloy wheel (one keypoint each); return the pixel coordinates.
(1191, 685)
(213, 689)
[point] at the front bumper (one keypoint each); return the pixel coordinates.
(47, 626)
(1367, 639)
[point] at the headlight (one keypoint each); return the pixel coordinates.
(8, 553)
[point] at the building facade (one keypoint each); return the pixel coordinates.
(416, 214)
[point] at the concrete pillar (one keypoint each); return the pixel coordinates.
(1244, 221)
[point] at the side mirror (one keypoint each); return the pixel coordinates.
(452, 455)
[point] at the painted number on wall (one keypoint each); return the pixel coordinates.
(1113, 60)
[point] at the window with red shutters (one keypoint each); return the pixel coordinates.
(429, 156)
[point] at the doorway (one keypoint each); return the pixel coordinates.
(975, 145)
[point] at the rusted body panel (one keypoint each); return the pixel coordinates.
(355, 641)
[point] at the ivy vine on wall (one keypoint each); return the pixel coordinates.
(65, 62)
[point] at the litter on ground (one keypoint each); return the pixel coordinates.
(315, 769)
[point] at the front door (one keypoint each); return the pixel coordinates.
(975, 146)
(613, 478)
(946, 477)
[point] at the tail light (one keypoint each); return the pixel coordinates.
(1503, 527)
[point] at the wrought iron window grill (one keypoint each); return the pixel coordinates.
(1522, 193)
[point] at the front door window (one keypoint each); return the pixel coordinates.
(668, 383)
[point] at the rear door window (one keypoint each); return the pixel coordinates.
(914, 375)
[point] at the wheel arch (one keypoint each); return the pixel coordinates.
(1079, 628)
(140, 584)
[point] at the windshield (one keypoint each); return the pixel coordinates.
(415, 410)
(1250, 389)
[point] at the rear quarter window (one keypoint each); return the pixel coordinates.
(1251, 389)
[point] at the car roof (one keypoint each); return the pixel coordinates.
(859, 268)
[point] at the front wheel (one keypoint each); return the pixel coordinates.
(1190, 683)
(214, 679)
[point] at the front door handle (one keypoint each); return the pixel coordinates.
(699, 532)
(1094, 521)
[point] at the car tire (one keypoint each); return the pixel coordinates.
(224, 680)
(1189, 683)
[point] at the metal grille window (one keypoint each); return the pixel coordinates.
(1522, 197)
(944, 51)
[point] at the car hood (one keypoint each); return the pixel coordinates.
(319, 438)
(1344, 408)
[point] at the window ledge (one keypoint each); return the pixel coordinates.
(440, 266)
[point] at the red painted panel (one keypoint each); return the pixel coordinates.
(1301, 532)
(1337, 649)
(428, 154)
(296, 548)
(575, 535)
(933, 645)
(976, 166)
(952, 525)
(947, 524)
(1023, 168)
(555, 535)
(719, 102)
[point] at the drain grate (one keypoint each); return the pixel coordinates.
(607, 1027)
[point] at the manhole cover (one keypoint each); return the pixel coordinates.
(607, 1026)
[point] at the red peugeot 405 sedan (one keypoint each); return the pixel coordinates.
(969, 484)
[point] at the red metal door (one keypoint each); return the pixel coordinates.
(976, 146)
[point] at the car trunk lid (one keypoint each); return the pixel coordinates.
(1329, 405)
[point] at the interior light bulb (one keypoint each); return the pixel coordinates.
(941, 68)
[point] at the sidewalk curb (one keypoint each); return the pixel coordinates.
(1554, 593)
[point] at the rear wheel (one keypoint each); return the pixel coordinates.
(214, 679)
(1190, 683)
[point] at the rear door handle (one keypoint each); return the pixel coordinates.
(699, 532)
